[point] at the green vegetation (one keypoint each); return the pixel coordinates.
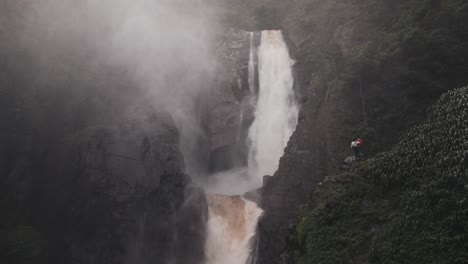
(408, 205)
(381, 64)
(371, 66)
(340, 222)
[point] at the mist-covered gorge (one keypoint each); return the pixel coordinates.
(102, 132)
(91, 107)
(114, 114)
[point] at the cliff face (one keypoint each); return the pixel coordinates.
(90, 172)
(156, 211)
(365, 68)
(227, 109)
(403, 206)
(115, 194)
(224, 102)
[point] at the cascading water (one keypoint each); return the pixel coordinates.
(276, 115)
(252, 63)
(232, 224)
(233, 220)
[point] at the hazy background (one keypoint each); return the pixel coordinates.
(81, 63)
(77, 79)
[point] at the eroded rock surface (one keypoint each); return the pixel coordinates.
(123, 197)
(230, 103)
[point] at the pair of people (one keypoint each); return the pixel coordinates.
(356, 146)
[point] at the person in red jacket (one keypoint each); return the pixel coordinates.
(357, 148)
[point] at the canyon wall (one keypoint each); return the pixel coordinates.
(110, 194)
(363, 69)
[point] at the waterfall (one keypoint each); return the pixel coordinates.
(233, 220)
(252, 64)
(276, 113)
(231, 226)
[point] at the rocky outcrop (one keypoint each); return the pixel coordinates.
(300, 170)
(385, 209)
(230, 110)
(122, 197)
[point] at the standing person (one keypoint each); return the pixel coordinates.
(356, 145)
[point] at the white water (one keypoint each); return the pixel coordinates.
(232, 220)
(276, 114)
(252, 64)
(231, 226)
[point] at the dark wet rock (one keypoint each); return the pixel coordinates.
(304, 165)
(230, 104)
(254, 196)
(112, 194)
(266, 179)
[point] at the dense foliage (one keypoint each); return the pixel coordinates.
(408, 205)
(372, 65)
(379, 64)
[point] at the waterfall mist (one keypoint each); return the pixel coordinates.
(231, 226)
(85, 64)
(84, 72)
(116, 53)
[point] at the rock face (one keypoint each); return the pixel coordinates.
(359, 74)
(300, 170)
(122, 197)
(230, 111)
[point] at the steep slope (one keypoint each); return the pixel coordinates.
(364, 68)
(108, 194)
(90, 167)
(367, 63)
(407, 205)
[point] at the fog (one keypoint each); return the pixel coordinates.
(79, 79)
(166, 46)
(124, 53)
(236, 181)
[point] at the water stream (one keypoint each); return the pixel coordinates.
(276, 113)
(232, 219)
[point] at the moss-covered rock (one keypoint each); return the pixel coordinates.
(408, 205)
